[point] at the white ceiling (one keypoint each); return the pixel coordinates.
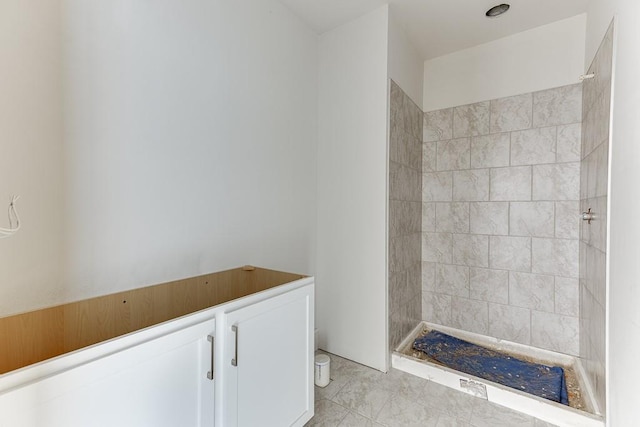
(438, 27)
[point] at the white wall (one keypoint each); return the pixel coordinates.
(623, 331)
(406, 67)
(537, 59)
(31, 162)
(189, 145)
(191, 132)
(352, 190)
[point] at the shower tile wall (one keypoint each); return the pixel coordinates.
(501, 190)
(593, 237)
(405, 215)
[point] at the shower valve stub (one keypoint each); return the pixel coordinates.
(587, 216)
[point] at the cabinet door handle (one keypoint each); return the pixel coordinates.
(234, 361)
(211, 340)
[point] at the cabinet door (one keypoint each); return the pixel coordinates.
(268, 364)
(161, 382)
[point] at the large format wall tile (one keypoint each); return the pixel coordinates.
(594, 272)
(567, 296)
(452, 217)
(510, 323)
(437, 187)
(429, 276)
(555, 256)
(437, 247)
(568, 220)
(511, 183)
(489, 218)
(598, 118)
(555, 332)
(602, 169)
(568, 144)
(513, 113)
(397, 286)
(429, 150)
(589, 164)
(556, 182)
(489, 285)
(471, 120)
(404, 252)
(404, 217)
(534, 146)
(490, 151)
(436, 308)
(404, 113)
(472, 250)
(559, 106)
(395, 140)
(596, 166)
(429, 217)
(597, 230)
(535, 219)
(438, 125)
(453, 154)
(533, 291)
(410, 152)
(404, 182)
(452, 280)
(471, 185)
(470, 315)
(510, 253)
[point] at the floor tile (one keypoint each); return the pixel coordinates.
(404, 384)
(487, 414)
(400, 411)
(448, 401)
(356, 420)
(328, 392)
(342, 370)
(327, 414)
(341, 367)
(448, 421)
(363, 395)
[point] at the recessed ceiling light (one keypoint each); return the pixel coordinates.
(498, 10)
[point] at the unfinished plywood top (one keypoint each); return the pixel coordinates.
(39, 335)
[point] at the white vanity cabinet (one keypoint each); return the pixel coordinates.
(172, 366)
(161, 382)
(268, 362)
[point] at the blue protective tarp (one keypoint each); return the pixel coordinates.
(540, 380)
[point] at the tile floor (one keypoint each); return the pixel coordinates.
(360, 396)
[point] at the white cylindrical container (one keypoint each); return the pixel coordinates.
(323, 370)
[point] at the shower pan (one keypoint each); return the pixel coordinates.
(579, 412)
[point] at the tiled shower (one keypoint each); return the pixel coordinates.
(500, 223)
(504, 250)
